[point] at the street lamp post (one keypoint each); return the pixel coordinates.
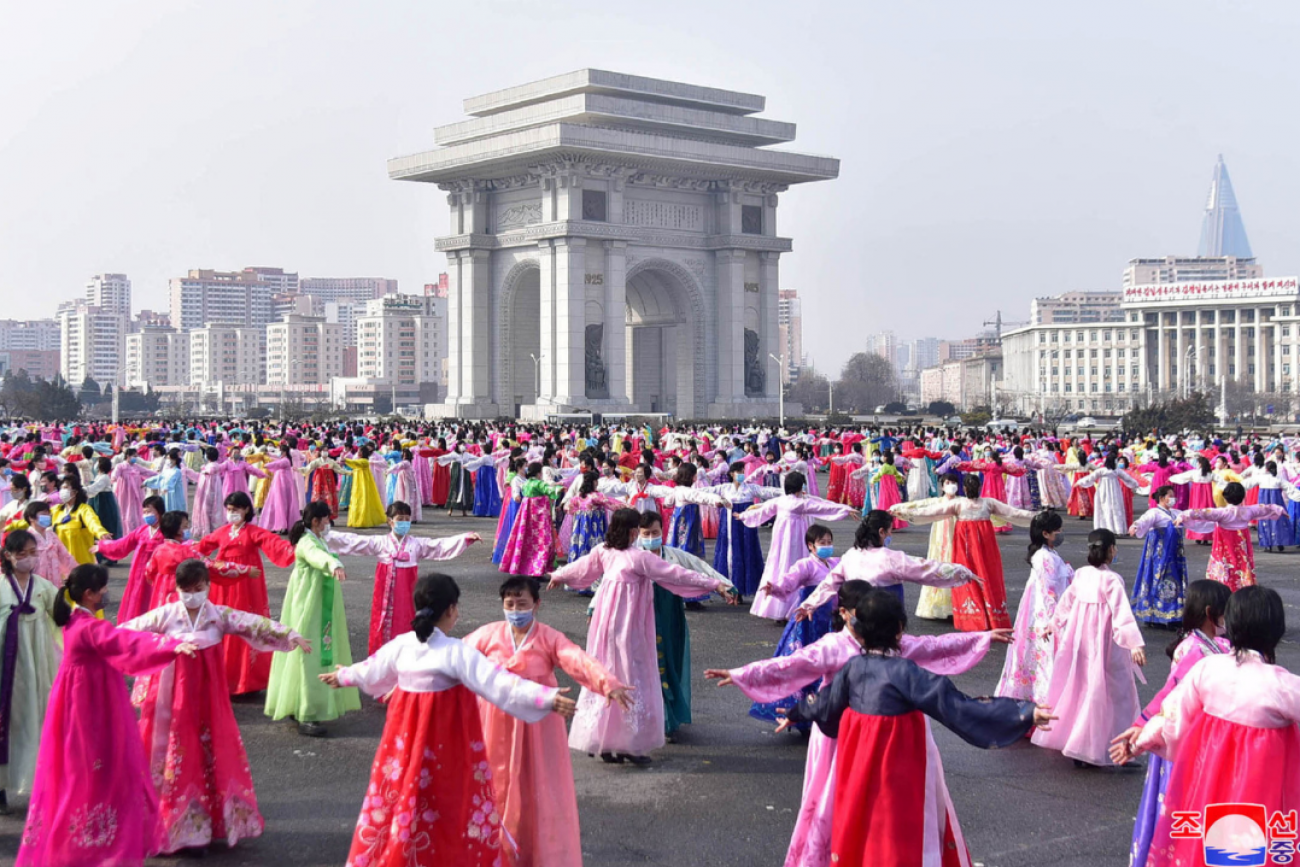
(1187, 370)
(830, 391)
(537, 376)
(780, 381)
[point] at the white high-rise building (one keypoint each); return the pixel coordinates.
(925, 352)
(228, 297)
(345, 313)
(789, 331)
(227, 354)
(92, 343)
(303, 350)
(340, 289)
(110, 293)
(280, 280)
(398, 340)
(157, 356)
(1186, 269)
(38, 335)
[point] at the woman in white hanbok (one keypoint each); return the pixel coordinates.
(1108, 510)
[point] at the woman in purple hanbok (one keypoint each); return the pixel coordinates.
(794, 513)
(282, 507)
(1027, 672)
(208, 513)
(128, 486)
(235, 472)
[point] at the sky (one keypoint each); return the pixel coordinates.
(990, 153)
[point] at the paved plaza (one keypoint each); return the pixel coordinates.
(727, 791)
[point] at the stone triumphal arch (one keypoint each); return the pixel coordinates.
(612, 248)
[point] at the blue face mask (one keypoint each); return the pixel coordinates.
(185, 534)
(825, 551)
(651, 543)
(401, 528)
(519, 619)
(151, 519)
(44, 520)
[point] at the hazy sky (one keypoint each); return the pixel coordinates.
(990, 152)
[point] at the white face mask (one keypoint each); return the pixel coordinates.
(195, 599)
(236, 517)
(950, 487)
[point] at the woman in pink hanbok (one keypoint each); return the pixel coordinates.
(207, 513)
(1232, 556)
(1027, 672)
(1053, 487)
(1098, 645)
(191, 739)
(235, 472)
(405, 488)
(54, 562)
(531, 770)
(770, 680)
(93, 801)
(282, 507)
(530, 549)
(622, 638)
(128, 486)
(794, 512)
(141, 542)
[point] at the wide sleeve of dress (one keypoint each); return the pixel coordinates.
(1010, 514)
(1163, 733)
(759, 513)
(517, 696)
(583, 668)
(1150, 520)
(792, 579)
(377, 674)
(927, 511)
(933, 573)
(1262, 512)
(818, 508)
(987, 723)
(317, 556)
(583, 572)
(118, 549)
(130, 652)
(673, 578)
(440, 549)
(154, 620)
(354, 544)
(829, 586)
(768, 680)
(261, 633)
(948, 654)
(91, 521)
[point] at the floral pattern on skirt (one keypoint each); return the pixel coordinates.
(531, 549)
(1232, 559)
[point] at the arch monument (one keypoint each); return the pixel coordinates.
(612, 248)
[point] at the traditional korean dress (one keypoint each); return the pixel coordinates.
(143, 541)
(1230, 730)
(622, 638)
(1160, 588)
(487, 496)
(1027, 672)
(1274, 491)
(889, 482)
(31, 649)
(171, 482)
(392, 605)
(191, 739)
(431, 801)
(1189, 651)
(324, 476)
(531, 772)
(93, 801)
(128, 482)
(993, 485)
(313, 607)
(100, 498)
(52, 558)
(935, 603)
(738, 554)
(365, 508)
(401, 475)
(441, 475)
(769, 681)
(247, 668)
(209, 511)
(793, 514)
(1081, 498)
(78, 528)
(531, 547)
(235, 475)
(876, 708)
(982, 605)
(1053, 487)
(590, 522)
(1092, 691)
(460, 491)
(506, 520)
(1200, 496)
(283, 508)
(1232, 556)
(886, 569)
(1109, 511)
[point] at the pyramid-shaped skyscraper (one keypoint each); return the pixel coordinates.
(1222, 232)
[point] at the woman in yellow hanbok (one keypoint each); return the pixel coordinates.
(75, 523)
(365, 509)
(259, 458)
(1224, 475)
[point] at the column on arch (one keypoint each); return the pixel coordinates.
(769, 344)
(613, 352)
(730, 337)
(563, 314)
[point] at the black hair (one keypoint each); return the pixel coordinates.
(949, 477)
(1046, 521)
(155, 502)
(621, 524)
(1234, 493)
(685, 475)
(78, 492)
(1205, 598)
(34, 508)
(1271, 467)
(794, 482)
(86, 577)
(590, 479)
(850, 594)
(212, 454)
(815, 532)
(15, 543)
(170, 523)
(1256, 621)
(879, 619)
(1162, 491)
(651, 519)
(243, 502)
(871, 532)
(736, 467)
(520, 585)
(395, 508)
(191, 573)
(533, 470)
(971, 486)
(434, 594)
(1100, 543)
(104, 466)
(315, 510)
(21, 482)
(1203, 464)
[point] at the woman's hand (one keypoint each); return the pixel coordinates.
(1043, 716)
(721, 675)
(187, 648)
(340, 575)
(783, 722)
(562, 704)
(1123, 747)
(731, 595)
(300, 643)
(471, 538)
(553, 583)
(621, 696)
(801, 614)
(1002, 636)
(330, 678)
(1139, 656)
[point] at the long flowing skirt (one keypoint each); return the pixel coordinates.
(1232, 559)
(531, 549)
(738, 554)
(588, 531)
(709, 521)
(324, 489)
(392, 604)
(684, 531)
(345, 493)
(889, 496)
(798, 634)
(430, 800)
(976, 607)
(1278, 531)
(1201, 497)
(1161, 583)
(935, 603)
(1148, 812)
(673, 645)
(487, 499)
(1081, 499)
(105, 508)
(505, 525)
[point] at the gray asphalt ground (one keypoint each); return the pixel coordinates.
(727, 791)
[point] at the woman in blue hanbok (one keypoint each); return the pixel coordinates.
(1161, 584)
(738, 554)
(487, 496)
(1276, 533)
(686, 530)
(171, 481)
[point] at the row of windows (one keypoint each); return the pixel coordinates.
(1091, 336)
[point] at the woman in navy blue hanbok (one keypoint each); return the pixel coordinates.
(1161, 583)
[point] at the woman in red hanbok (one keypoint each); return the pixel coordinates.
(1200, 481)
(143, 541)
(241, 544)
(441, 474)
(1080, 504)
(1232, 555)
(191, 739)
(976, 606)
(430, 802)
(92, 800)
(993, 486)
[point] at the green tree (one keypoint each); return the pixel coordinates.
(941, 408)
(866, 381)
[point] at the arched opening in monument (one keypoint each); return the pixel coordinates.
(660, 344)
(525, 340)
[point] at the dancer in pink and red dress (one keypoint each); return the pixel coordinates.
(993, 485)
(431, 801)
(92, 800)
(1232, 556)
(531, 547)
(1027, 670)
(1229, 728)
(143, 541)
(191, 739)
(1200, 485)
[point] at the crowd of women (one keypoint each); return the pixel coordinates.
(472, 765)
